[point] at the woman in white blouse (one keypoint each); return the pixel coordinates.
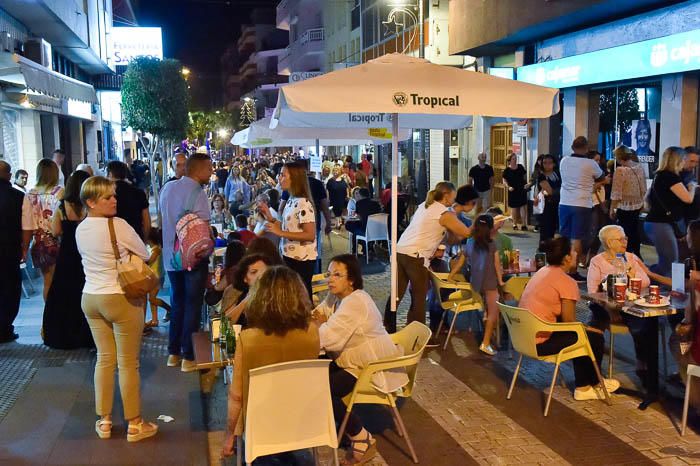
(116, 322)
(352, 332)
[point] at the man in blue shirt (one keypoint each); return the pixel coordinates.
(186, 286)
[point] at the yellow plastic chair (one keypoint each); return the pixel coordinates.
(515, 286)
(463, 299)
(693, 371)
(299, 416)
(319, 283)
(412, 339)
(524, 326)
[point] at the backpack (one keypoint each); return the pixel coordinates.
(193, 241)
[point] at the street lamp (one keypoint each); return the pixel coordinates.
(222, 133)
(185, 72)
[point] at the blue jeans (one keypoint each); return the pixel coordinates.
(186, 301)
(661, 234)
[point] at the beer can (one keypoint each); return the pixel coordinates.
(610, 286)
(620, 292)
(636, 286)
(654, 295)
(540, 260)
(515, 259)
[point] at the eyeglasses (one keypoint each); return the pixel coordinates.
(621, 238)
(328, 275)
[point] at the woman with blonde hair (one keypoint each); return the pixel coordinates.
(279, 329)
(297, 225)
(667, 198)
(116, 322)
(43, 199)
(433, 218)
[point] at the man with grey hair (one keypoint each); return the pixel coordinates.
(481, 177)
(179, 161)
(16, 225)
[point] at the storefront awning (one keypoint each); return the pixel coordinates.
(20, 71)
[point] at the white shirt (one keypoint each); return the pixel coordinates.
(297, 211)
(356, 335)
(424, 234)
(95, 248)
(578, 175)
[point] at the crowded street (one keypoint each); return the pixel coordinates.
(299, 232)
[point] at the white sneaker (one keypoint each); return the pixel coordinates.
(587, 393)
(174, 360)
(188, 366)
(488, 349)
(611, 385)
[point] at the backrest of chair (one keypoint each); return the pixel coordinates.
(438, 280)
(319, 283)
(523, 327)
(377, 227)
(412, 339)
(289, 408)
(516, 286)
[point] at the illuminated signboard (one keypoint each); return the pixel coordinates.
(507, 73)
(670, 54)
(130, 42)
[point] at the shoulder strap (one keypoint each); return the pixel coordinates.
(113, 238)
(658, 198)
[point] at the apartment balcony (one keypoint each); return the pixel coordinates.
(306, 54)
(108, 82)
(284, 14)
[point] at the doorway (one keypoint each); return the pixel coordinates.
(501, 145)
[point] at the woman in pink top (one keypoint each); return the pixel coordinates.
(551, 295)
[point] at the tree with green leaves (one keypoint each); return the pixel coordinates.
(155, 100)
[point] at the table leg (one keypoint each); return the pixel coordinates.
(652, 362)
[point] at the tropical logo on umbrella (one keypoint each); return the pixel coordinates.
(400, 99)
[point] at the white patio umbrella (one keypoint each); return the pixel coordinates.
(407, 92)
(259, 134)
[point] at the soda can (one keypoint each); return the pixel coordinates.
(540, 260)
(654, 295)
(620, 292)
(636, 286)
(515, 259)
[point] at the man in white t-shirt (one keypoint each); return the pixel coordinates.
(59, 157)
(579, 176)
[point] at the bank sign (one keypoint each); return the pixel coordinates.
(670, 54)
(130, 42)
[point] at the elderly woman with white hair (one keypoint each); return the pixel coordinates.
(614, 241)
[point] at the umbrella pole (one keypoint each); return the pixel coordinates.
(394, 206)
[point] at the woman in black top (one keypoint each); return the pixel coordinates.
(549, 183)
(337, 188)
(515, 179)
(667, 197)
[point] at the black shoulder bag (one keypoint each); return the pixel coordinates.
(677, 225)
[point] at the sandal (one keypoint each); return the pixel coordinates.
(103, 434)
(367, 453)
(141, 431)
(152, 323)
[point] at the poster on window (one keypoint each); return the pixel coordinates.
(643, 138)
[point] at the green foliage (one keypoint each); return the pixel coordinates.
(201, 122)
(628, 109)
(155, 97)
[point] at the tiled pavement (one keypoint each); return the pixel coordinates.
(459, 414)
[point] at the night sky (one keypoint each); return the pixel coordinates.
(197, 32)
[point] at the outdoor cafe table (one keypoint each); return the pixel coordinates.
(210, 354)
(652, 314)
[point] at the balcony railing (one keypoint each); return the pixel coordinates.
(108, 82)
(312, 35)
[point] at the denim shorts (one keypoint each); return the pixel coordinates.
(575, 222)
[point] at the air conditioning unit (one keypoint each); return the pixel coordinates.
(38, 50)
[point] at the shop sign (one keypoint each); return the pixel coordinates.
(379, 133)
(131, 42)
(454, 152)
(299, 76)
(315, 164)
(671, 54)
(506, 73)
(79, 109)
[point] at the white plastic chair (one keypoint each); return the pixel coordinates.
(289, 408)
(693, 371)
(376, 231)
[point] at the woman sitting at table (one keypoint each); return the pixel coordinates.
(219, 214)
(352, 332)
(614, 241)
(249, 269)
(551, 294)
(280, 329)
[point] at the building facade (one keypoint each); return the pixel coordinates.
(628, 74)
(51, 49)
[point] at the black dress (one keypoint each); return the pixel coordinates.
(337, 194)
(516, 180)
(65, 325)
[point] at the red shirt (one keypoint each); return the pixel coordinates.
(246, 236)
(366, 166)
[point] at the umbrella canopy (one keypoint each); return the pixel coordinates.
(406, 92)
(424, 94)
(259, 134)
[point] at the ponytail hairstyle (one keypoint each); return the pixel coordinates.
(438, 194)
(482, 231)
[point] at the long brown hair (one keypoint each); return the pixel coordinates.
(46, 173)
(278, 302)
(299, 182)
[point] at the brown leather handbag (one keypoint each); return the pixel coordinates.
(135, 277)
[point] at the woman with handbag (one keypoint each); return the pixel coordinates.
(43, 199)
(112, 307)
(667, 196)
(629, 188)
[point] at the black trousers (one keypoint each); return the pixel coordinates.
(410, 270)
(629, 221)
(10, 295)
(355, 228)
(305, 269)
(584, 371)
(549, 221)
(342, 384)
